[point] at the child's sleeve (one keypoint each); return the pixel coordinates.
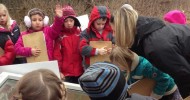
(162, 79)
(21, 50)
(85, 48)
(55, 29)
(9, 54)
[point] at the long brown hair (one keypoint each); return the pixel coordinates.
(4, 8)
(125, 20)
(123, 57)
(40, 84)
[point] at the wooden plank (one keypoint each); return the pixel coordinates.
(188, 98)
(36, 40)
(143, 87)
(100, 44)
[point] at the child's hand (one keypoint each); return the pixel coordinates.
(62, 76)
(109, 50)
(36, 52)
(102, 51)
(58, 11)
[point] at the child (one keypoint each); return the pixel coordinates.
(8, 28)
(105, 81)
(175, 16)
(98, 30)
(40, 84)
(66, 47)
(136, 67)
(37, 21)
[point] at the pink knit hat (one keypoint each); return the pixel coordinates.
(68, 11)
(175, 16)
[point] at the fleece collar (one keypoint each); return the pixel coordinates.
(135, 62)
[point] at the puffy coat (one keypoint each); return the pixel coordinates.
(66, 51)
(167, 47)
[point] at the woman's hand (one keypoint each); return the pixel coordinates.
(58, 10)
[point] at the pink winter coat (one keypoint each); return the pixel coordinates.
(50, 34)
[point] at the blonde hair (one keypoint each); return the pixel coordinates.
(125, 20)
(122, 57)
(40, 84)
(4, 8)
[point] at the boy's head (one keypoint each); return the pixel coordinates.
(104, 81)
(175, 16)
(69, 17)
(36, 19)
(100, 23)
(99, 18)
(40, 84)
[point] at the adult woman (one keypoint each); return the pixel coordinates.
(165, 46)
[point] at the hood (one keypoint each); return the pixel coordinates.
(146, 26)
(97, 12)
(12, 23)
(68, 11)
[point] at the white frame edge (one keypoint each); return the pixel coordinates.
(4, 76)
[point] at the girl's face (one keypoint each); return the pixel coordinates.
(112, 26)
(3, 18)
(99, 24)
(69, 23)
(37, 22)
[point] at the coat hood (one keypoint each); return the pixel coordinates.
(146, 26)
(98, 12)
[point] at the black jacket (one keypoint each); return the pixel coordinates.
(167, 47)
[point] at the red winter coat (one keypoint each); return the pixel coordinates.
(91, 34)
(9, 53)
(67, 53)
(13, 33)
